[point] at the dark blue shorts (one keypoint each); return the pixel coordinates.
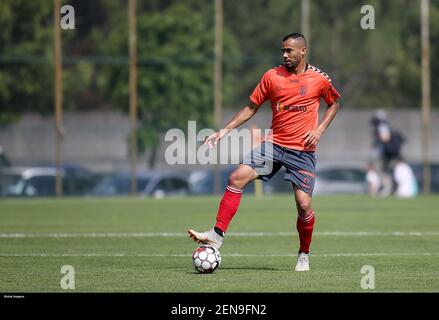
(268, 158)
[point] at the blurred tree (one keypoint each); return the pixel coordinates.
(82, 56)
(25, 35)
(175, 72)
(434, 47)
(259, 26)
(376, 68)
(372, 68)
(26, 57)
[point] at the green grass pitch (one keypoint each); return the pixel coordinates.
(140, 245)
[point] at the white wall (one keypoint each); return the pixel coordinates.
(99, 140)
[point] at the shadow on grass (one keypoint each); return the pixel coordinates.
(252, 268)
(239, 268)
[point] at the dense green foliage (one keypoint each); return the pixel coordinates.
(371, 68)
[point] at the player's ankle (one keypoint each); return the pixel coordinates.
(219, 231)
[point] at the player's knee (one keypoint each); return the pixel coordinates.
(238, 179)
(234, 180)
(303, 206)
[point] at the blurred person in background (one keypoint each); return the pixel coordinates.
(386, 144)
(4, 161)
(380, 135)
(406, 185)
(373, 180)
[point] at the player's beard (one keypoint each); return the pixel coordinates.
(291, 64)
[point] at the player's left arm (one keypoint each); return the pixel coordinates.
(312, 137)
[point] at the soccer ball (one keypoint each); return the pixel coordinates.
(206, 259)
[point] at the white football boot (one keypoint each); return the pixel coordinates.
(302, 262)
(209, 237)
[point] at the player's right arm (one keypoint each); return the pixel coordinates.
(241, 117)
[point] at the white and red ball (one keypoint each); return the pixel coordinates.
(206, 259)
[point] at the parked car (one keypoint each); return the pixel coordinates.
(201, 182)
(155, 184)
(331, 179)
(418, 169)
(9, 177)
(40, 181)
(340, 179)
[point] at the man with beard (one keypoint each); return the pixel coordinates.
(294, 90)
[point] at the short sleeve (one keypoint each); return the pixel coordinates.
(329, 93)
(261, 92)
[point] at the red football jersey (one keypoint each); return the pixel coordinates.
(295, 100)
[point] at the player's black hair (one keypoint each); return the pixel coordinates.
(295, 35)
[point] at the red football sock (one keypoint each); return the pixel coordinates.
(228, 206)
(305, 226)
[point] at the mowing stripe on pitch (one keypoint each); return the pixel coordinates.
(365, 254)
(230, 234)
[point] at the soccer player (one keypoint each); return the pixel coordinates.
(294, 90)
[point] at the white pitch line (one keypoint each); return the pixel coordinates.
(370, 254)
(230, 234)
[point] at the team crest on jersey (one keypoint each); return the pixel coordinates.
(302, 90)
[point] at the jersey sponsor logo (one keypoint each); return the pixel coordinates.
(280, 107)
